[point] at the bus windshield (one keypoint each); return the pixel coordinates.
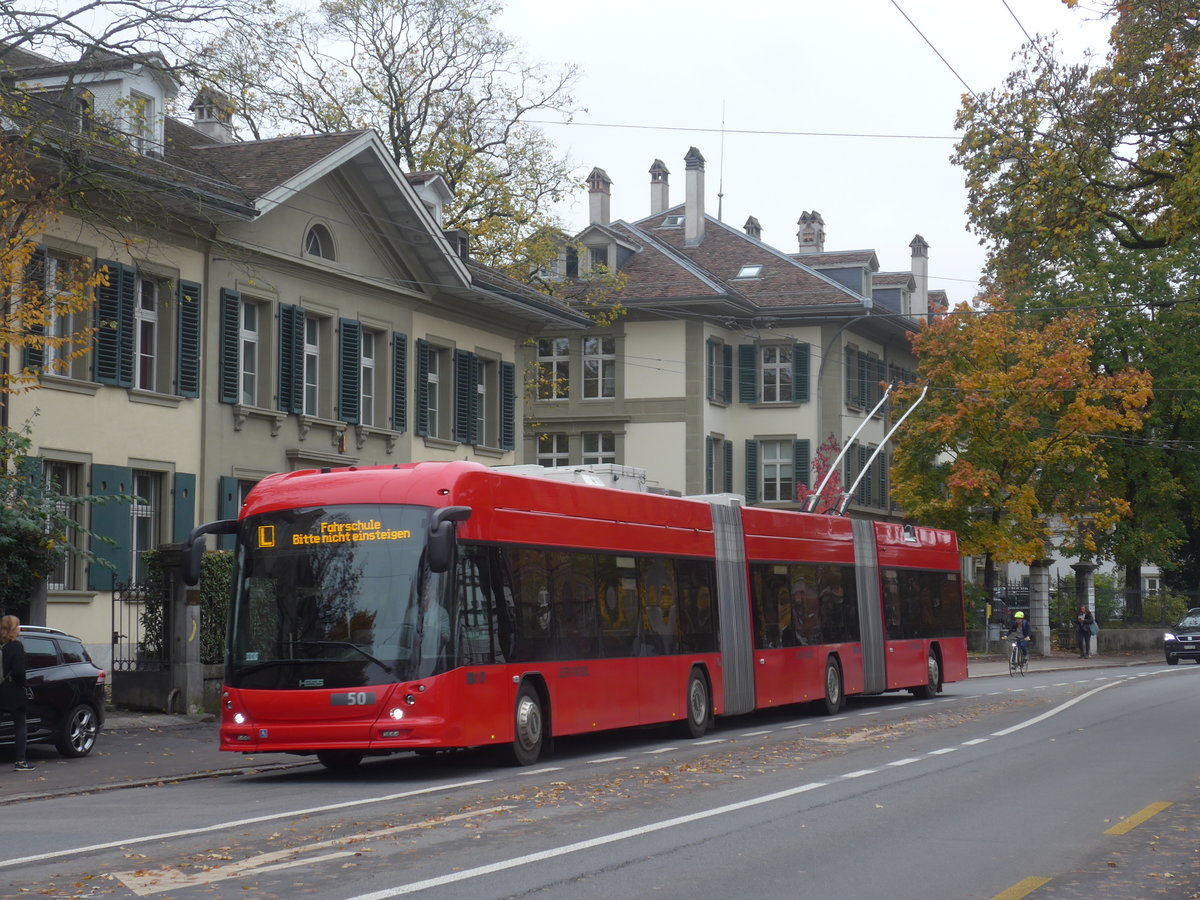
(335, 597)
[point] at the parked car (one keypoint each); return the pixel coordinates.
(1183, 641)
(65, 690)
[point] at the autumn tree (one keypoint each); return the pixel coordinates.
(822, 468)
(445, 88)
(1082, 179)
(1006, 449)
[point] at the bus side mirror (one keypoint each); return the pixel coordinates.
(193, 547)
(441, 535)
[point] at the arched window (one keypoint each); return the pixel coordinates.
(319, 242)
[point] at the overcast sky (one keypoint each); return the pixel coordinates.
(659, 75)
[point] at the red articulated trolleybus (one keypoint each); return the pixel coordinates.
(444, 605)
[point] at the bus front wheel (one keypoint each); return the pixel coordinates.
(339, 760)
(528, 725)
(933, 679)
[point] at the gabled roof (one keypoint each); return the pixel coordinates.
(893, 279)
(839, 259)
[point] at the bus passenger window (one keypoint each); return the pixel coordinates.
(473, 638)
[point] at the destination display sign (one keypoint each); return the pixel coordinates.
(337, 532)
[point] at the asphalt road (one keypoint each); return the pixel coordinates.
(996, 785)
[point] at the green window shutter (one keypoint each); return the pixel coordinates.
(112, 524)
(114, 325)
(880, 378)
(752, 485)
(729, 467)
(34, 357)
(802, 462)
(864, 381)
(291, 358)
(710, 373)
(851, 376)
(399, 381)
(227, 507)
(422, 417)
(231, 325)
(863, 495)
(508, 406)
(727, 373)
(708, 464)
(747, 373)
(350, 363)
(187, 350)
(800, 372)
(184, 512)
(883, 476)
(466, 397)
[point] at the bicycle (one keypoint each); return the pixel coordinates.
(1018, 659)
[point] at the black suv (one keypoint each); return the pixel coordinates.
(1183, 641)
(65, 690)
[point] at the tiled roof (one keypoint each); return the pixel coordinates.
(891, 279)
(257, 167)
(836, 259)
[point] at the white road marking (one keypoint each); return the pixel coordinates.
(144, 883)
(1052, 712)
(606, 759)
(660, 750)
(860, 773)
(755, 733)
(904, 762)
(942, 751)
(238, 823)
(528, 772)
(553, 852)
(972, 743)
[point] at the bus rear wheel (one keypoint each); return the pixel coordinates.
(933, 680)
(528, 726)
(834, 697)
(699, 713)
(339, 760)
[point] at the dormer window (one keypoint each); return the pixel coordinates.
(753, 271)
(598, 256)
(83, 113)
(672, 222)
(141, 122)
(319, 242)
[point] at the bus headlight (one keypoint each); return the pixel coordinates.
(239, 719)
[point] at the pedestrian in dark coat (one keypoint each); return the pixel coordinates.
(1083, 631)
(12, 684)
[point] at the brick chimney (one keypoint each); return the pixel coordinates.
(920, 271)
(693, 222)
(811, 233)
(660, 192)
(599, 196)
(753, 228)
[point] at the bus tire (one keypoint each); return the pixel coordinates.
(933, 681)
(834, 695)
(528, 726)
(699, 709)
(339, 760)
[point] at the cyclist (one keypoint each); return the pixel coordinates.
(1019, 631)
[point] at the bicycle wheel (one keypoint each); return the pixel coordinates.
(1024, 663)
(1012, 664)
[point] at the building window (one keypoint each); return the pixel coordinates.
(553, 371)
(312, 365)
(63, 479)
(776, 371)
(718, 465)
(754, 271)
(552, 450)
(433, 380)
(777, 461)
(672, 222)
(61, 355)
(147, 518)
(719, 381)
(248, 353)
(598, 256)
(367, 377)
(141, 122)
(599, 367)
(487, 412)
(145, 317)
(599, 447)
(319, 242)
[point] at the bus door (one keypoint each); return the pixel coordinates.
(733, 611)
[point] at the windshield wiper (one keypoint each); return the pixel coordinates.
(353, 647)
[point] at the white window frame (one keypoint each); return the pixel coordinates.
(553, 450)
(146, 332)
(774, 370)
(599, 367)
(434, 379)
(367, 369)
(599, 447)
(312, 366)
(248, 352)
(147, 518)
(64, 477)
(554, 368)
(776, 464)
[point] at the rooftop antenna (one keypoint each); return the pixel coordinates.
(721, 171)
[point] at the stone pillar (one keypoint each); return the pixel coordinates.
(1085, 595)
(1039, 605)
(187, 675)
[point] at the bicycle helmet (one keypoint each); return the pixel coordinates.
(1018, 615)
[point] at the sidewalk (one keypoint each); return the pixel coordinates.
(979, 666)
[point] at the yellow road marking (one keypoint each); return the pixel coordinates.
(1137, 819)
(1022, 888)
